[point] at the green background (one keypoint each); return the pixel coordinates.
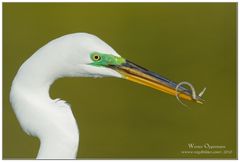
(194, 42)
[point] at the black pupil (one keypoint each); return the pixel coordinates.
(96, 57)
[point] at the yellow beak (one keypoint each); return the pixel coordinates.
(138, 74)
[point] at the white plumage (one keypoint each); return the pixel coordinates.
(51, 120)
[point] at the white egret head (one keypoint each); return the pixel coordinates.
(86, 55)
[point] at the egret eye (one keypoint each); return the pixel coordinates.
(96, 57)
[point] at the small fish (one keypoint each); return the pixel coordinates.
(195, 97)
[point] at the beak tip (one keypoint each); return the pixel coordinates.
(200, 102)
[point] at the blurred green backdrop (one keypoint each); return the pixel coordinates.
(193, 42)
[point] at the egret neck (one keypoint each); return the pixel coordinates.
(50, 120)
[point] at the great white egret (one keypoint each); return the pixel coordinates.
(73, 55)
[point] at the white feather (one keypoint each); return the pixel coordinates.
(51, 120)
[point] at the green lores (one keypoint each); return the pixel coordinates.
(101, 59)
